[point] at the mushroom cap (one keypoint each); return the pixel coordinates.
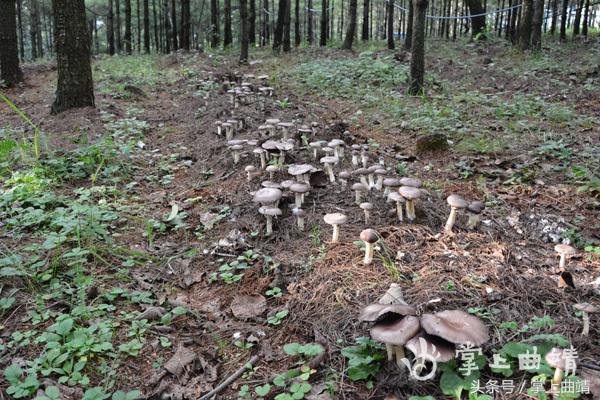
(380, 171)
(335, 219)
(409, 192)
(565, 249)
(476, 207)
(361, 171)
(285, 146)
(587, 307)
(267, 195)
(268, 210)
(272, 168)
(395, 197)
(258, 150)
(359, 187)
(250, 168)
(298, 212)
(270, 184)
(327, 149)
(366, 206)
(285, 124)
(396, 332)
(237, 147)
(369, 236)
(391, 182)
(329, 160)
(270, 144)
(456, 201)
(413, 182)
(377, 312)
(235, 142)
(336, 142)
(431, 347)
(232, 121)
(456, 326)
(315, 145)
(287, 183)
(299, 187)
(262, 77)
(304, 129)
(226, 124)
(556, 358)
(373, 168)
(272, 121)
(300, 169)
(345, 175)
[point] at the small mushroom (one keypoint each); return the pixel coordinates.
(338, 147)
(344, 176)
(456, 203)
(475, 208)
(335, 220)
(586, 309)
(285, 128)
(269, 212)
(272, 170)
(380, 173)
(261, 153)
(328, 161)
(412, 182)
(362, 174)
(358, 188)
(267, 196)
(564, 250)
(236, 149)
(371, 171)
(316, 146)
(228, 130)
(370, 237)
(250, 171)
(410, 193)
(399, 200)
(299, 190)
(299, 214)
(366, 207)
(556, 359)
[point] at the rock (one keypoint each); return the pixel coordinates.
(244, 306)
(431, 143)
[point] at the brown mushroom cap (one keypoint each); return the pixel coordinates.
(435, 347)
(378, 312)
(565, 249)
(587, 307)
(391, 182)
(345, 175)
(456, 201)
(555, 358)
(329, 160)
(335, 219)
(409, 192)
(359, 187)
(369, 235)
(412, 182)
(476, 207)
(270, 185)
(395, 197)
(396, 332)
(456, 326)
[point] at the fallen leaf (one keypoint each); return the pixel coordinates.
(244, 306)
(182, 357)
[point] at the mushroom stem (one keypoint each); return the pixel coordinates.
(558, 376)
(298, 200)
(410, 209)
(228, 133)
(282, 158)
(336, 234)
(269, 225)
(399, 211)
(357, 196)
(263, 161)
(315, 153)
(363, 180)
(344, 182)
(399, 355)
(367, 216)
(379, 183)
(368, 253)
(451, 220)
(330, 172)
(355, 160)
(390, 351)
(236, 157)
(371, 181)
(586, 324)
(473, 221)
(563, 260)
(301, 223)
(249, 176)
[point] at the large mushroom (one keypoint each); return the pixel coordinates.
(299, 190)
(301, 171)
(267, 196)
(411, 194)
(335, 220)
(456, 203)
(456, 327)
(370, 237)
(564, 250)
(429, 348)
(328, 161)
(412, 182)
(557, 360)
(399, 200)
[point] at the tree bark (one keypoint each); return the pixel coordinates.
(128, 27)
(174, 25)
(525, 25)
(563, 21)
(365, 24)
(252, 22)
(10, 71)
(118, 26)
(156, 27)
(297, 37)
(309, 30)
(278, 36)
(184, 37)
(110, 38)
(227, 36)
(167, 27)
(146, 27)
(75, 87)
(214, 22)
(409, 26)
(554, 17)
(323, 37)
(20, 26)
(287, 44)
(536, 28)
(577, 21)
(245, 40)
(351, 30)
(417, 59)
(478, 23)
(390, 24)
(584, 28)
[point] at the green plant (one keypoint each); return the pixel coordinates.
(278, 317)
(364, 359)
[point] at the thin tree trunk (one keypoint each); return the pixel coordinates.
(323, 37)
(186, 25)
(287, 44)
(10, 70)
(478, 23)
(278, 36)
(75, 87)
(409, 26)
(563, 21)
(455, 22)
(156, 27)
(167, 28)
(146, 27)
(297, 36)
(417, 59)
(577, 21)
(252, 22)
(554, 19)
(118, 25)
(128, 48)
(584, 28)
(309, 35)
(214, 22)
(244, 31)
(139, 26)
(351, 31)
(227, 36)
(110, 38)
(390, 24)
(536, 28)
(20, 25)
(174, 25)
(365, 24)
(525, 25)
(34, 27)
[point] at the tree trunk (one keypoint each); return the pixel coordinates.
(351, 31)
(34, 27)
(390, 24)
(110, 32)
(323, 37)
(167, 27)
(455, 22)
(554, 17)
(309, 30)
(584, 28)
(265, 28)
(184, 37)
(577, 22)
(75, 87)
(278, 36)
(214, 22)
(118, 26)
(536, 28)
(252, 22)
(365, 24)
(174, 25)
(563, 20)
(417, 59)
(128, 27)
(409, 26)
(146, 27)
(287, 44)
(244, 31)
(10, 71)
(475, 8)
(20, 25)
(297, 37)
(156, 27)
(227, 36)
(525, 25)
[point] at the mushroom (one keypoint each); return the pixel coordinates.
(411, 194)
(329, 161)
(412, 182)
(228, 130)
(456, 203)
(335, 219)
(284, 148)
(390, 184)
(380, 173)
(236, 148)
(316, 146)
(429, 348)
(301, 171)
(395, 334)
(556, 359)
(338, 147)
(371, 170)
(362, 174)
(272, 170)
(344, 176)
(370, 237)
(261, 153)
(367, 207)
(456, 326)
(250, 171)
(358, 188)
(474, 209)
(355, 154)
(285, 127)
(218, 125)
(270, 184)
(364, 158)
(305, 132)
(299, 214)
(287, 183)
(299, 189)
(267, 196)
(269, 212)
(564, 250)
(586, 309)
(395, 197)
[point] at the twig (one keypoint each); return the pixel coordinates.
(232, 378)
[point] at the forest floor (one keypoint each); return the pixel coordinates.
(130, 243)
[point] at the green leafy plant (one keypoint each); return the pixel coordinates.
(278, 317)
(364, 359)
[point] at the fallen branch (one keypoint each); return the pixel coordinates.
(232, 378)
